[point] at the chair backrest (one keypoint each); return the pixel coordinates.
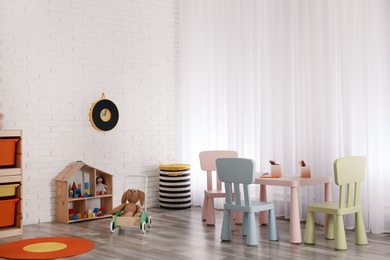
(207, 163)
(348, 173)
(236, 172)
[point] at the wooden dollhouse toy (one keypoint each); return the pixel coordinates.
(79, 197)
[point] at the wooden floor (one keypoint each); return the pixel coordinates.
(180, 234)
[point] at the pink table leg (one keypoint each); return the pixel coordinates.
(237, 217)
(295, 225)
(263, 215)
(328, 191)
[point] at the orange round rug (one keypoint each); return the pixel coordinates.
(45, 248)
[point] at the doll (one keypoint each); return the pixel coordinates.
(101, 188)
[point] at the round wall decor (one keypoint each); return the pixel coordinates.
(104, 114)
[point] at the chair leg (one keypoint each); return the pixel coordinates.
(210, 217)
(360, 230)
(309, 237)
(340, 239)
(251, 238)
(329, 230)
(204, 209)
(273, 233)
(245, 227)
(226, 230)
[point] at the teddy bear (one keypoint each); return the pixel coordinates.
(129, 204)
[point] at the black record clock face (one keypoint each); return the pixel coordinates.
(104, 115)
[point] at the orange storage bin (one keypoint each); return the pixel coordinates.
(7, 209)
(7, 151)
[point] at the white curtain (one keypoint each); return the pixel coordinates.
(290, 80)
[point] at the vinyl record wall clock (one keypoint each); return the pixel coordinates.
(104, 114)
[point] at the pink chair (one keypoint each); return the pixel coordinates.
(214, 188)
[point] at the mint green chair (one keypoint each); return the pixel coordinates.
(238, 174)
(348, 173)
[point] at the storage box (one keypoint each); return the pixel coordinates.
(7, 209)
(8, 190)
(175, 186)
(7, 151)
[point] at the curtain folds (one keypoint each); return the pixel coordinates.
(289, 81)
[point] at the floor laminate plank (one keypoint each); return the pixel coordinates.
(181, 234)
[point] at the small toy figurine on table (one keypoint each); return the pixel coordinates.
(101, 188)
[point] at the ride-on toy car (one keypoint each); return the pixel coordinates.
(125, 221)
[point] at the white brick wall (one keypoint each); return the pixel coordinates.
(57, 57)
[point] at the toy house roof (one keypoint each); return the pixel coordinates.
(73, 168)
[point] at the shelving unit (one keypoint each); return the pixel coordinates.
(80, 173)
(11, 174)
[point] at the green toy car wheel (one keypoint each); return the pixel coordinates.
(112, 226)
(144, 227)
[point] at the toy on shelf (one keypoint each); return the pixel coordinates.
(74, 192)
(73, 215)
(101, 188)
(86, 189)
(102, 212)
